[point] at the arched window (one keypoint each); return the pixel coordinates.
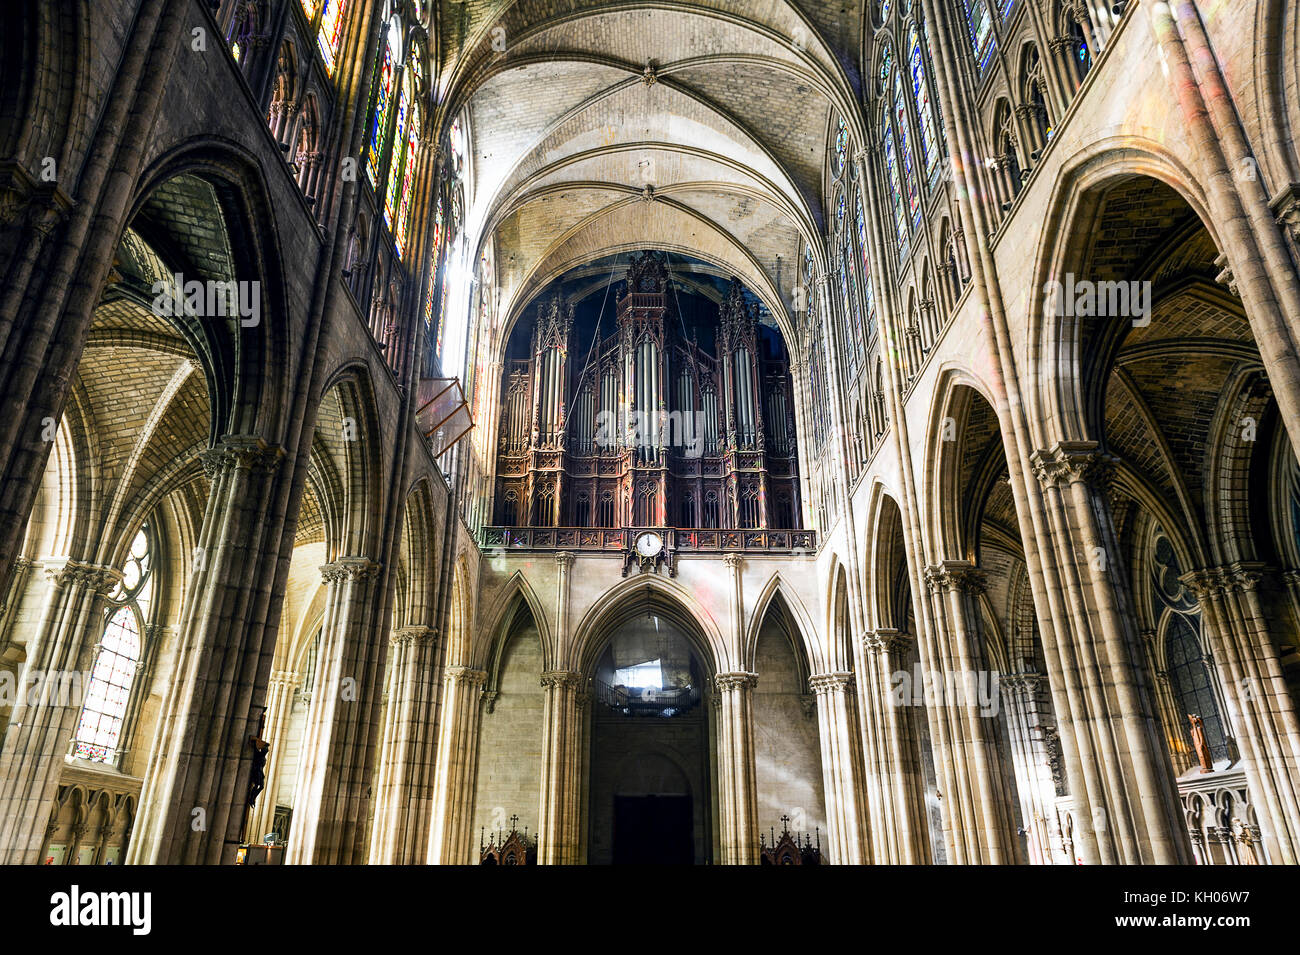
(330, 34)
(435, 248)
(103, 714)
(865, 257)
(394, 170)
(810, 306)
(924, 112)
(851, 347)
(841, 146)
(980, 24)
(407, 177)
(1190, 681)
(892, 171)
(904, 150)
(384, 81)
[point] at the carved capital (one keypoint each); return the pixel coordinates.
(838, 681)
(1073, 462)
(74, 573)
(1224, 276)
(886, 641)
(956, 575)
(1026, 682)
(349, 569)
(466, 675)
(1286, 209)
(241, 452)
(413, 635)
(564, 560)
(733, 561)
(569, 679)
(1205, 584)
(738, 680)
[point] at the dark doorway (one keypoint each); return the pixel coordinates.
(653, 830)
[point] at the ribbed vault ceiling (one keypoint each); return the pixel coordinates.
(700, 127)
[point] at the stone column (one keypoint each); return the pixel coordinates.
(44, 718)
(1260, 707)
(193, 804)
(404, 797)
(983, 814)
(1031, 761)
(898, 751)
(450, 839)
(738, 805)
(333, 797)
(841, 767)
(279, 703)
(1131, 801)
(561, 789)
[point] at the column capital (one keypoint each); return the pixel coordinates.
(562, 678)
(886, 640)
(350, 568)
(564, 560)
(416, 635)
(1027, 680)
(837, 681)
(1205, 583)
(242, 452)
(960, 575)
(463, 674)
(1286, 208)
(733, 561)
(97, 578)
(1073, 462)
(736, 680)
(1061, 44)
(1237, 577)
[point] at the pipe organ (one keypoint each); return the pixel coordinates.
(646, 428)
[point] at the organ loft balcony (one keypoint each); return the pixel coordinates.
(663, 407)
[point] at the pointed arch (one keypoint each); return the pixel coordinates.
(665, 596)
(778, 595)
(517, 592)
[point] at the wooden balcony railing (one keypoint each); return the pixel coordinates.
(682, 540)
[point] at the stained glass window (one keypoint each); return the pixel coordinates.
(330, 33)
(925, 115)
(885, 7)
(378, 125)
(456, 136)
(1190, 681)
(408, 184)
(905, 152)
(981, 31)
(435, 250)
(808, 286)
(841, 146)
(103, 712)
(309, 7)
(936, 104)
(868, 292)
(852, 320)
(892, 171)
(394, 173)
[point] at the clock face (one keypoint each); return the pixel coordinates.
(648, 544)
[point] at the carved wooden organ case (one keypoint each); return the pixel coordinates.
(645, 428)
